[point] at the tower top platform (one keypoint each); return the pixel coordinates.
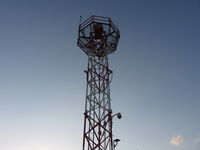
(98, 36)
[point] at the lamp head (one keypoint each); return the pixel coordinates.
(119, 115)
(116, 142)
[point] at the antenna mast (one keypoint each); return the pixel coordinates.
(98, 37)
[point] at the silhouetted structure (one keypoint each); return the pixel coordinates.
(98, 37)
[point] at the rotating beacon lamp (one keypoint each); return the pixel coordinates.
(98, 37)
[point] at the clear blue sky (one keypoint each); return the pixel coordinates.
(156, 68)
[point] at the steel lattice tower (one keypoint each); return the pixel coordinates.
(98, 37)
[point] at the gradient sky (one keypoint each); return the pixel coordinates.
(156, 83)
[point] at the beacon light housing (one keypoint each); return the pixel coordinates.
(98, 36)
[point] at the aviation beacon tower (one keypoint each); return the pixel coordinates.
(98, 37)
